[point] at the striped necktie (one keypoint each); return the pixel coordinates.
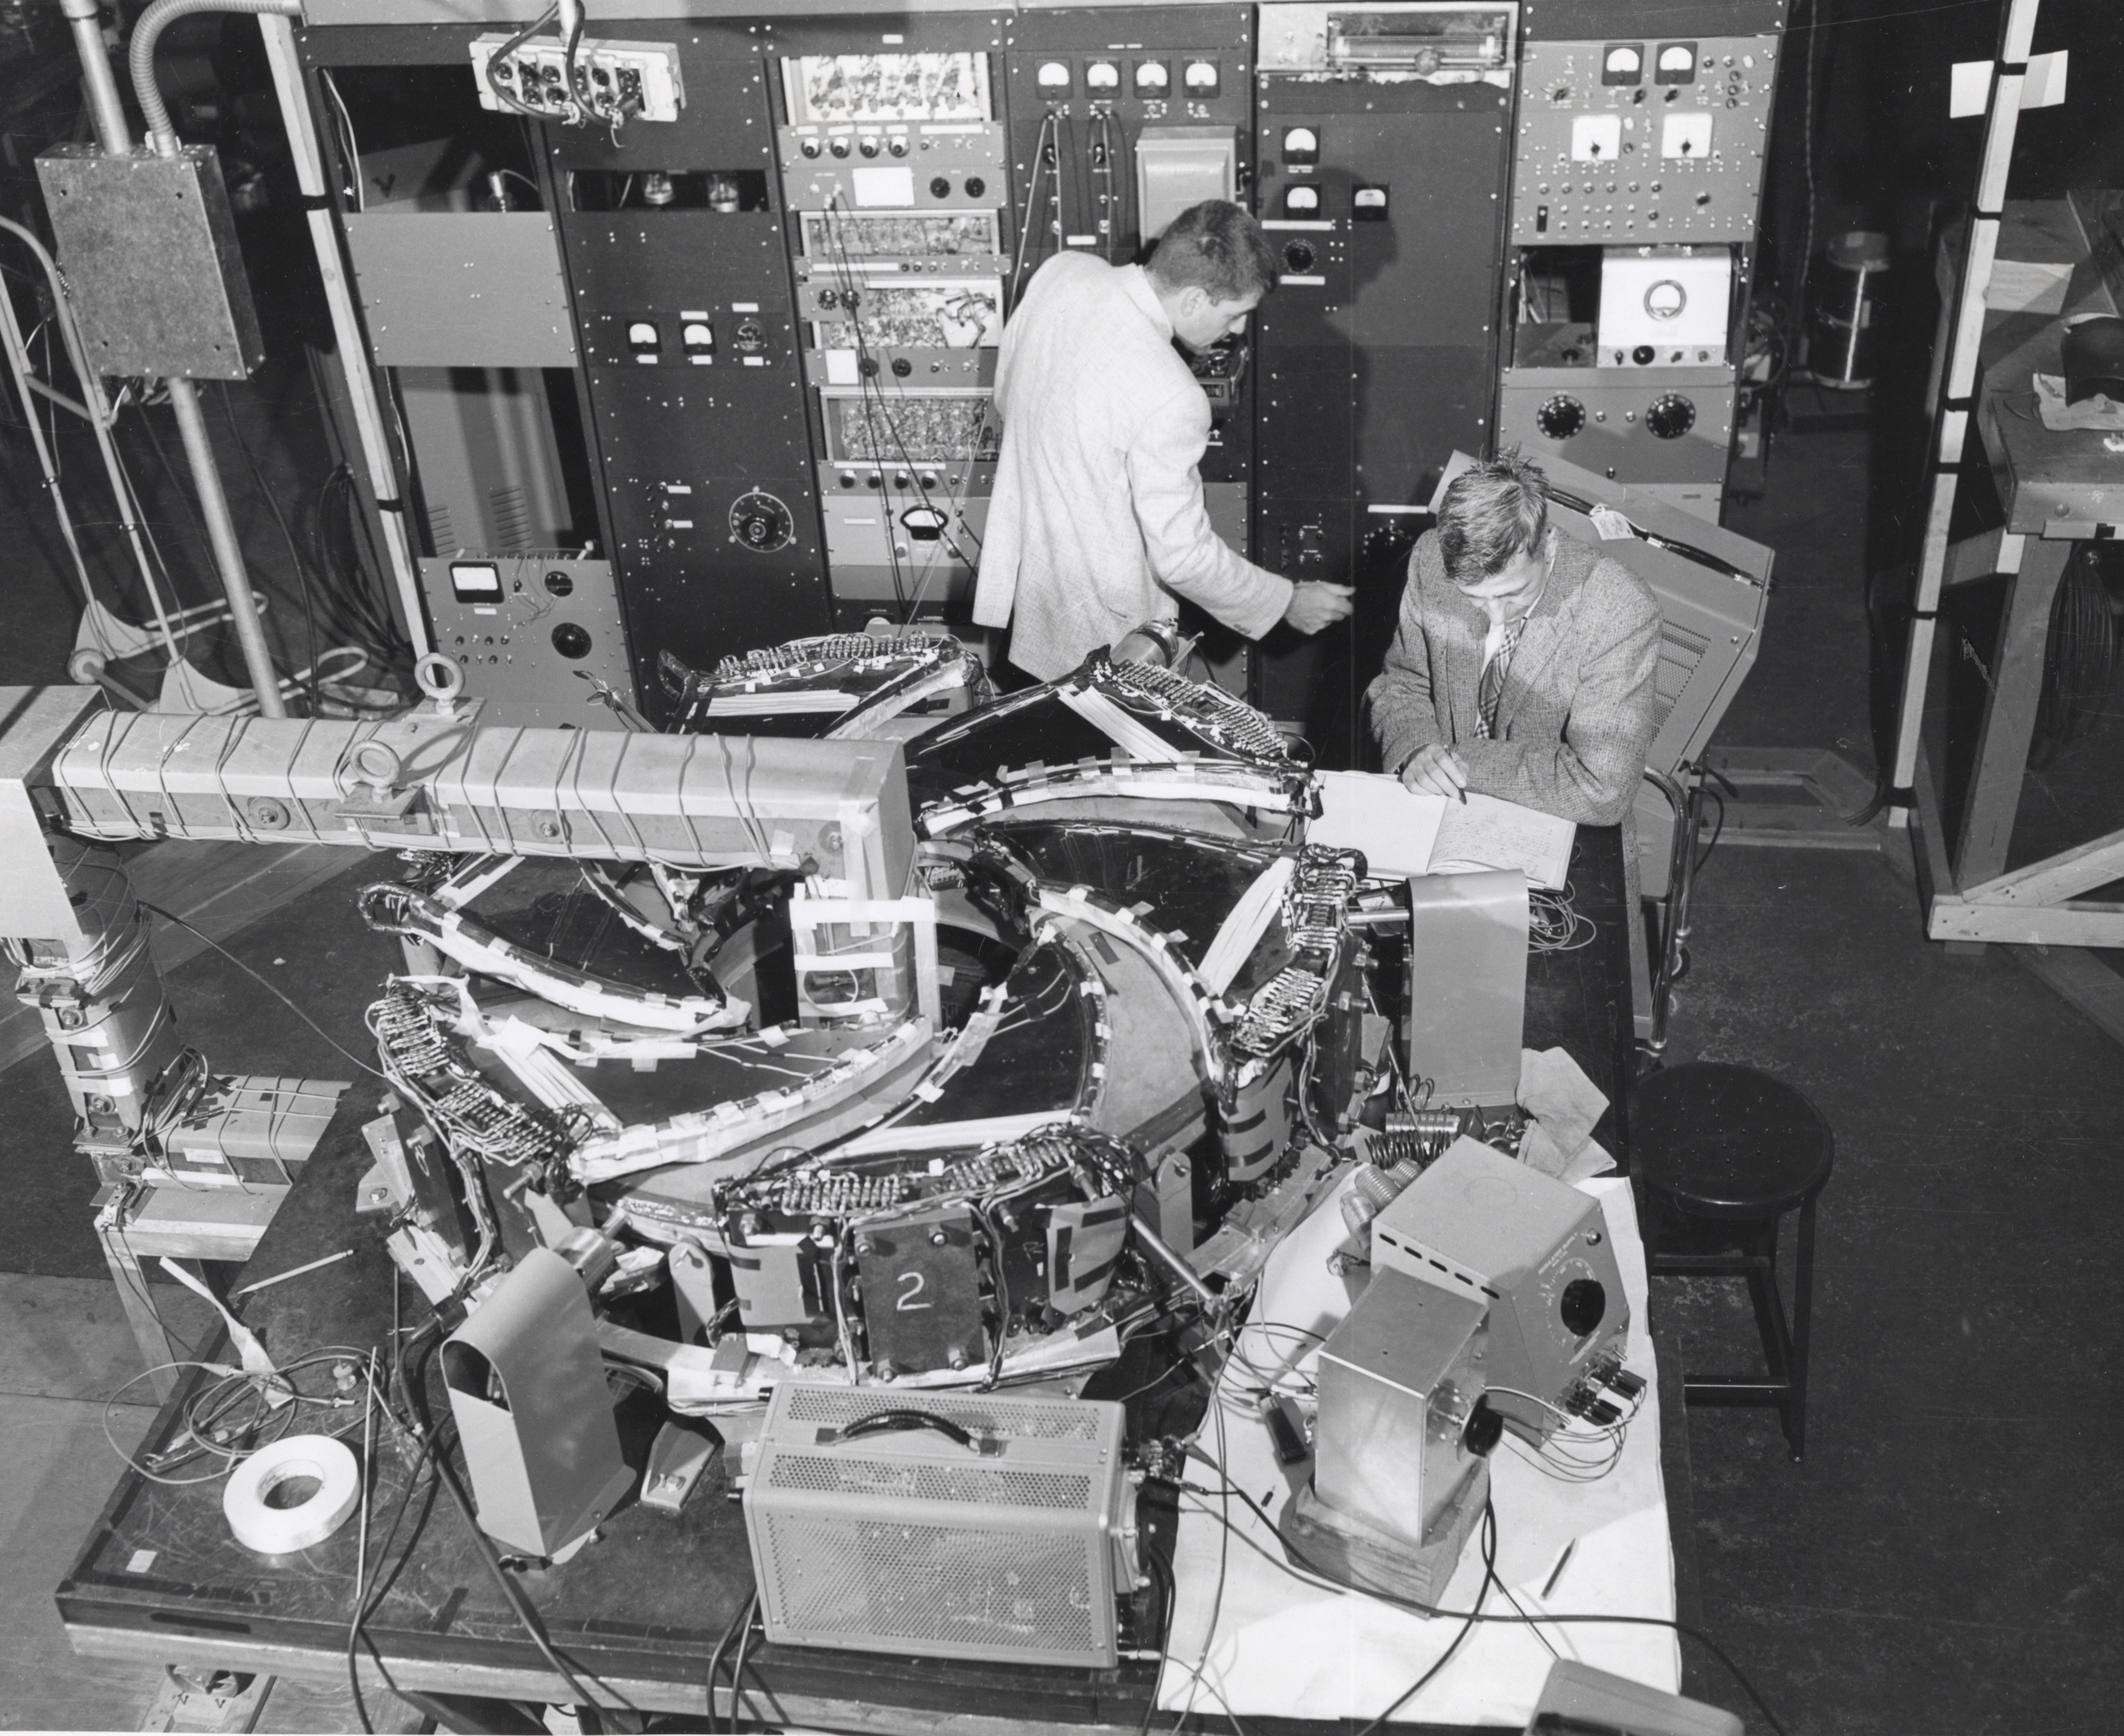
(1491, 688)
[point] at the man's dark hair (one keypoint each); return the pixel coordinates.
(1492, 514)
(1218, 248)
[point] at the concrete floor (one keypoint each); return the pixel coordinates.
(1942, 1562)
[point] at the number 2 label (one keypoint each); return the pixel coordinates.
(912, 1285)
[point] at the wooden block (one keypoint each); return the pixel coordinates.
(2070, 924)
(219, 1224)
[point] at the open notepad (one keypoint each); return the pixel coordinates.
(1404, 831)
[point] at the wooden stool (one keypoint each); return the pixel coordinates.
(1733, 1146)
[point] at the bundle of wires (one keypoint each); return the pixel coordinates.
(1555, 924)
(1577, 1450)
(238, 1413)
(2081, 658)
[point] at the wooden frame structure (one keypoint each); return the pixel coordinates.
(2058, 490)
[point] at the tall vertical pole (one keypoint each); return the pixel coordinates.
(116, 138)
(1956, 374)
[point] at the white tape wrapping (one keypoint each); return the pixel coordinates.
(245, 1500)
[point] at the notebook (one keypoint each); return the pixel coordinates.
(1406, 832)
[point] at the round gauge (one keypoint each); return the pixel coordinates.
(1665, 299)
(1298, 256)
(1102, 75)
(1561, 417)
(1053, 74)
(760, 522)
(1152, 79)
(1671, 416)
(1623, 63)
(1301, 201)
(1677, 60)
(1583, 1305)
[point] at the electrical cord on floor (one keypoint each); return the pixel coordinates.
(416, 1384)
(1162, 1573)
(265, 983)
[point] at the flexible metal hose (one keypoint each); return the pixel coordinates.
(140, 56)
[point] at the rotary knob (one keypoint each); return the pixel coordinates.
(1298, 256)
(758, 521)
(1561, 417)
(1671, 416)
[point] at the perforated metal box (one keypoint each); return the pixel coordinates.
(1012, 1550)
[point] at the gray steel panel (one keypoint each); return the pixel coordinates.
(512, 649)
(153, 269)
(1642, 194)
(1614, 441)
(479, 289)
(35, 722)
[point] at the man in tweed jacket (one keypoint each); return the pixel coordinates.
(1568, 642)
(1096, 524)
(1523, 666)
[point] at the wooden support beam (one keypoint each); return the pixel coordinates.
(2014, 678)
(2071, 924)
(2065, 875)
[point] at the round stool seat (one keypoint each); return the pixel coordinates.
(1725, 1141)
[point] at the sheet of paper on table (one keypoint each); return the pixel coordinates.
(1406, 832)
(1248, 1635)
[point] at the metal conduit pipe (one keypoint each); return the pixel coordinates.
(100, 84)
(221, 532)
(191, 422)
(140, 56)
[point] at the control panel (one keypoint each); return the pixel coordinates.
(523, 627)
(1664, 307)
(676, 245)
(1643, 140)
(1381, 142)
(1114, 131)
(893, 164)
(1663, 431)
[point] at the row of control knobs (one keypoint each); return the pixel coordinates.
(1667, 417)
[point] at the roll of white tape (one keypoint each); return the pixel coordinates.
(271, 1530)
